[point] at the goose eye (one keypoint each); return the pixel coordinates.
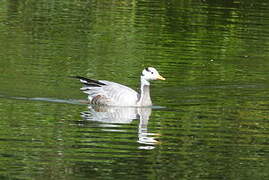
(151, 72)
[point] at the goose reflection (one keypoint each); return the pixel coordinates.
(111, 116)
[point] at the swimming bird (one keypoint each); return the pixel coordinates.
(102, 92)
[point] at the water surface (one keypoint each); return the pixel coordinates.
(209, 119)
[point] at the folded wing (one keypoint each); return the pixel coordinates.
(108, 93)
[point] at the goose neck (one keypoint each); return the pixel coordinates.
(145, 99)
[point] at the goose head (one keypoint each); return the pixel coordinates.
(149, 74)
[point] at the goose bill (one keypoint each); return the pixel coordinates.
(160, 77)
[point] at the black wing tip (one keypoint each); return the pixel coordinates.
(77, 77)
(88, 81)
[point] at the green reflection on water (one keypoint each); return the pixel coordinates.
(213, 54)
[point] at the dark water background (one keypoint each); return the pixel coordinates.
(210, 119)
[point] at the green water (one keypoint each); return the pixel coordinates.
(210, 116)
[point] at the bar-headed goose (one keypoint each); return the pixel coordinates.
(102, 92)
